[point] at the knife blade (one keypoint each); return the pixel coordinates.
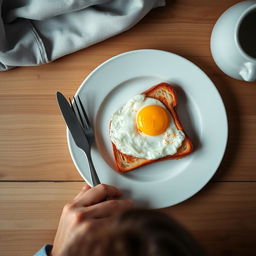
(72, 122)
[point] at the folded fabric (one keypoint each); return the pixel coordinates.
(35, 32)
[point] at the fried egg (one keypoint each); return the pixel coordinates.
(144, 128)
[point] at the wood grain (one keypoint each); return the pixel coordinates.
(221, 216)
(33, 145)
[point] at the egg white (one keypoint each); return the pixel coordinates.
(127, 139)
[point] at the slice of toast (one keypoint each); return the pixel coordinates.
(166, 94)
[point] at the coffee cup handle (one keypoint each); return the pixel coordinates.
(248, 72)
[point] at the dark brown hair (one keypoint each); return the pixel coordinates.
(140, 232)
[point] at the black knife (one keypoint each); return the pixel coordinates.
(77, 132)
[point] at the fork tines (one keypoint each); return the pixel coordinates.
(79, 110)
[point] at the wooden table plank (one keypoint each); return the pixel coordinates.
(33, 142)
(222, 216)
(36, 149)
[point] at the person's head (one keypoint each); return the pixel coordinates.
(140, 232)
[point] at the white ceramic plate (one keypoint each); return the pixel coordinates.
(200, 109)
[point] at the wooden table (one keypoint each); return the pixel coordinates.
(37, 176)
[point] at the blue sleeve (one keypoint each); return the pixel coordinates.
(44, 251)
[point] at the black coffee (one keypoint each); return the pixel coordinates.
(247, 34)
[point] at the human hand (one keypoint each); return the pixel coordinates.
(86, 211)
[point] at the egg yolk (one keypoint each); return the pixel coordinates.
(152, 120)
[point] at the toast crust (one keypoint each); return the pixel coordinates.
(166, 94)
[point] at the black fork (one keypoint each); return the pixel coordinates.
(82, 116)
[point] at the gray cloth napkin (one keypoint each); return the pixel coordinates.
(34, 32)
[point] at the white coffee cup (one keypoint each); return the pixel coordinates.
(233, 41)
